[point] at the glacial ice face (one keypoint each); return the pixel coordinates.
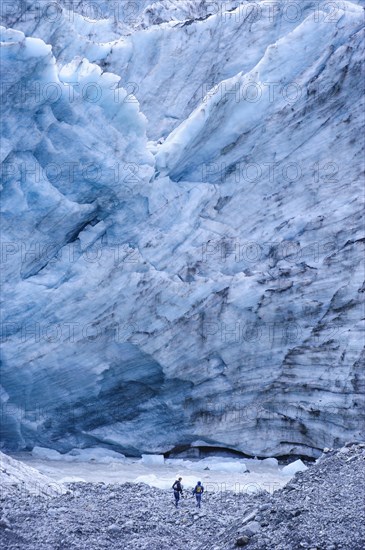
(151, 59)
(55, 208)
(212, 295)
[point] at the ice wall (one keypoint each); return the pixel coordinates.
(204, 289)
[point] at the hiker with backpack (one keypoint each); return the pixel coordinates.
(178, 490)
(198, 491)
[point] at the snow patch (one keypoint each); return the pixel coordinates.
(153, 460)
(16, 476)
(99, 455)
(294, 467)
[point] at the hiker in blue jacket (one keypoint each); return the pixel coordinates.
(178, 489)
(198, 491)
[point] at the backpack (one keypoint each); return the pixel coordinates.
(198, 489)
(177, 486)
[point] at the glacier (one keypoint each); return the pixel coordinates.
(19, 478)
(182, 227)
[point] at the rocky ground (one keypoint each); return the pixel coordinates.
(321, 508)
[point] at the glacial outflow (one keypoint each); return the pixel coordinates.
(202, 290)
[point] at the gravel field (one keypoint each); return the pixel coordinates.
(321, 508)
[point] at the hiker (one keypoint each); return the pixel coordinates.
(178, 489)
(198, 491)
